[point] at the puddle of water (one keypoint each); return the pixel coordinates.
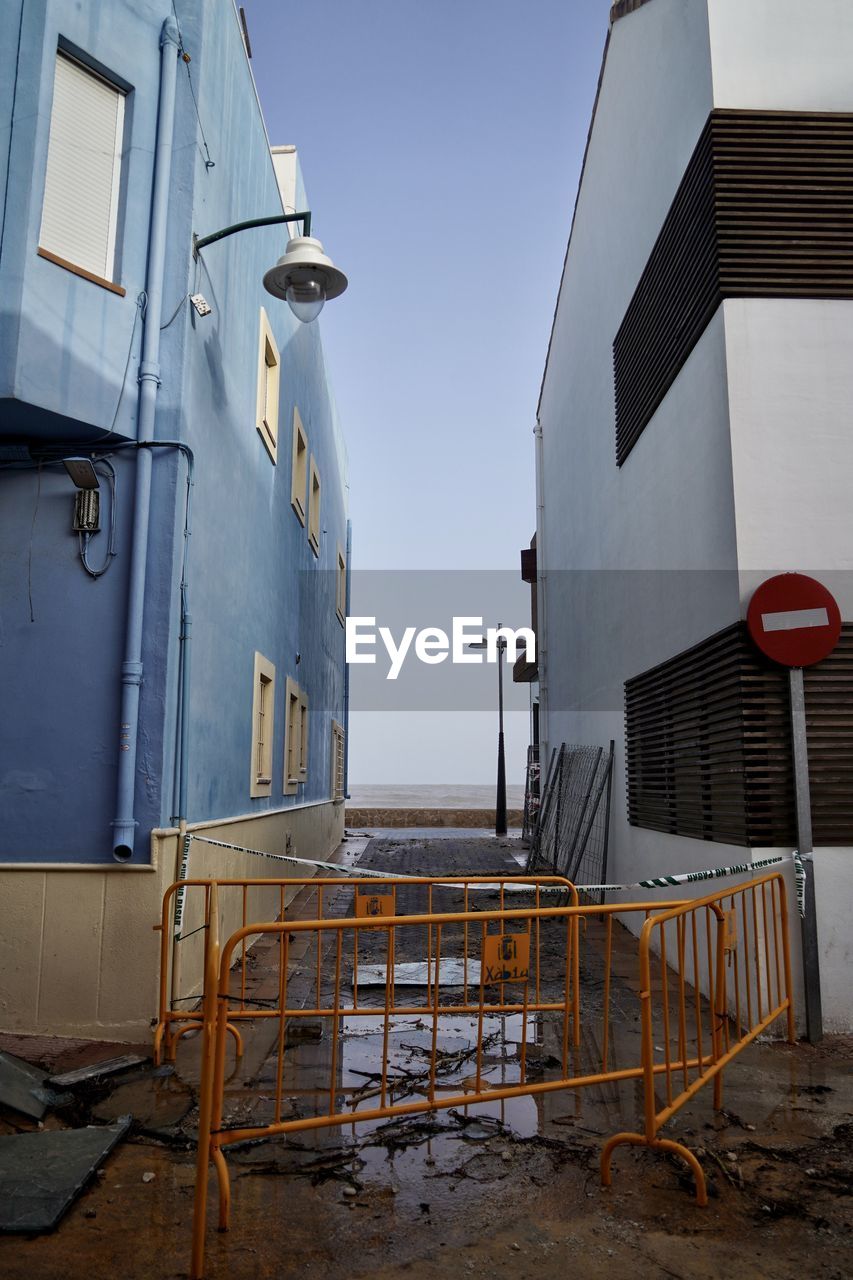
(308, 1088)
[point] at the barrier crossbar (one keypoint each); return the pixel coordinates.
(305, 897)
(518, 963)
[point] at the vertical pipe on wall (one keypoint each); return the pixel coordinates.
(124, 824)
(805, 846)
(185, 653)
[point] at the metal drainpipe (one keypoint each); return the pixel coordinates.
(124, 824)
(346, 666)
(541, 596)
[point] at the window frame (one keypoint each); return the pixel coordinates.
(341, 588)
(336, 772)
(263, 735)
(314, 487)
(299, 468)
(292, 742)
(268, 389)
(303, 736)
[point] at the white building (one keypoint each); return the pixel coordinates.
(696, 435)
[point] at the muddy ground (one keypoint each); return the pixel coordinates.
(509, 1188)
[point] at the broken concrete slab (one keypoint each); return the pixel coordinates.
(97, 1071)
(420, 973)
(41, 1174)
(22, 1087)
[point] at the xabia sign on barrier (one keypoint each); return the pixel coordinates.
(794, 620)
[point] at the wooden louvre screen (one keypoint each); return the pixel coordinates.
(763, 210)
(829, 723)
(708, 745)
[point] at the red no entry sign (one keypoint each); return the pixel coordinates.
(794, 620)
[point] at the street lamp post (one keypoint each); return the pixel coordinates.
(500, 792)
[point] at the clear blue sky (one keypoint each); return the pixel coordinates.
(441, 144)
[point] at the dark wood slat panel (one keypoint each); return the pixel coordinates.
(765, 209)
(708, 745)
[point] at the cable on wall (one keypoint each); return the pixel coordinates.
(185, 58)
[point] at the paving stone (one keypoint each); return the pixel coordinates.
(41, 1174)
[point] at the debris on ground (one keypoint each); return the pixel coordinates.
(41, 1174)
(23, 1087)
(96, 1071)
(465, 1190)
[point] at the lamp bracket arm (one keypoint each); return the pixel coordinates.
(201, 242)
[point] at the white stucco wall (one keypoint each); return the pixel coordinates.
(745, 467)
(777, 55)
(790, 381)
(640, 560)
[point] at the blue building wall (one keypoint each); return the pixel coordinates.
(255, 583)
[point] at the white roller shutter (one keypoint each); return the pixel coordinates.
(83, 169)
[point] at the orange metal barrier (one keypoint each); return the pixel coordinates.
(747, 967)
(516, 963)
(306, 898)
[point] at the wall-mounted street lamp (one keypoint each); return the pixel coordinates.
(305, 277)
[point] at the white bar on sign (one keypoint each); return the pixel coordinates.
(793, 619)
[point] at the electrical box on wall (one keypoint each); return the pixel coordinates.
(87, 511)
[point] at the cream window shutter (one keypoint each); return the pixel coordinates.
(83, 169)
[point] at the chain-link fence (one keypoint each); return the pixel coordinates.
(571, 835)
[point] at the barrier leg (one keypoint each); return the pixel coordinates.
(665, 1144)
(195, 1025)
(210, 1025)
(202, 1164)
(721, 1009)
(157, 1053)
(658, 1144)
(718, 1091)
(224, 1182)
(172, 1041)
(576, 983)
(238, 1039)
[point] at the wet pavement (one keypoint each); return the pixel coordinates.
(507, 1186)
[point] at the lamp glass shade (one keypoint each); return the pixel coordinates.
(305, 277)
(306, 297)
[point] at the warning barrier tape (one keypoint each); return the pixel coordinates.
(181, 895)
(656, 882)
(800, 881)
(687, 877)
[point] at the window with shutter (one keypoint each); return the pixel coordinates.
(293, 738)
(80, 210)
(337, 770)
(314, 507)
(708, 745)
(341, 589)
(269, 373)
(263, 707)
(299, 474)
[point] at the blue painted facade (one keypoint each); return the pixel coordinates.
(69, 366)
